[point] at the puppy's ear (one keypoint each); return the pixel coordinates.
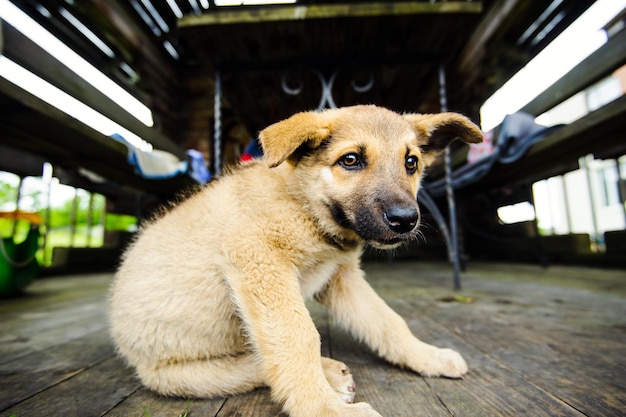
(436, 131)
(281, 140)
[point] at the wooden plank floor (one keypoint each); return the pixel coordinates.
(539, 342)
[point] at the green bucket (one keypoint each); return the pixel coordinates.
(18, 266)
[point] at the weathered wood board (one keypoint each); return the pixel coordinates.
(539, 342)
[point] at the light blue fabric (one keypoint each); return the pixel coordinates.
(155, 164)
(199, 171)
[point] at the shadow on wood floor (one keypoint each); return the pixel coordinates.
(539, 342)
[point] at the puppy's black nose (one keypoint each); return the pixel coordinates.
(402, 219)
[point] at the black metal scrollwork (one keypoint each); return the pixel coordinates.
(326, 100)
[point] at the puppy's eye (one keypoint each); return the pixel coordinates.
(351, 161)
(411, 164)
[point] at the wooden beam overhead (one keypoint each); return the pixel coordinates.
(34, 58)
(608, 58)
(327, 11)
(475, 47)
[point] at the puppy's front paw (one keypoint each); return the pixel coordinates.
(360, 410)
(340, 379)
(443, 362)
(350, 410)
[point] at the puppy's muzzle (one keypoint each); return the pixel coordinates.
(401, 218)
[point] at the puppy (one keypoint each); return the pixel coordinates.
(210, 298)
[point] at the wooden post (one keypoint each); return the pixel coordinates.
(17, 206)
(73, 217)
(89, 219)
(620, 187)
(49, 175)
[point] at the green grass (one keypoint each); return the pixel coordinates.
(60, 236)
(60, 232)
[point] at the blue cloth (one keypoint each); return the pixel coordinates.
(252, 151)
(198, 169)
(154, 164)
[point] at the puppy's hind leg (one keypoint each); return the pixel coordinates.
(204, 378)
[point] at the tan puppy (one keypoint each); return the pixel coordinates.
(210, 299)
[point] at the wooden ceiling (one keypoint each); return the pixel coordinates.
(398, 46)
(386, 53)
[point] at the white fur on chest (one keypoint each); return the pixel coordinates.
(315, 278)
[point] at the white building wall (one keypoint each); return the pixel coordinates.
(582, 201)
(579, 202)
